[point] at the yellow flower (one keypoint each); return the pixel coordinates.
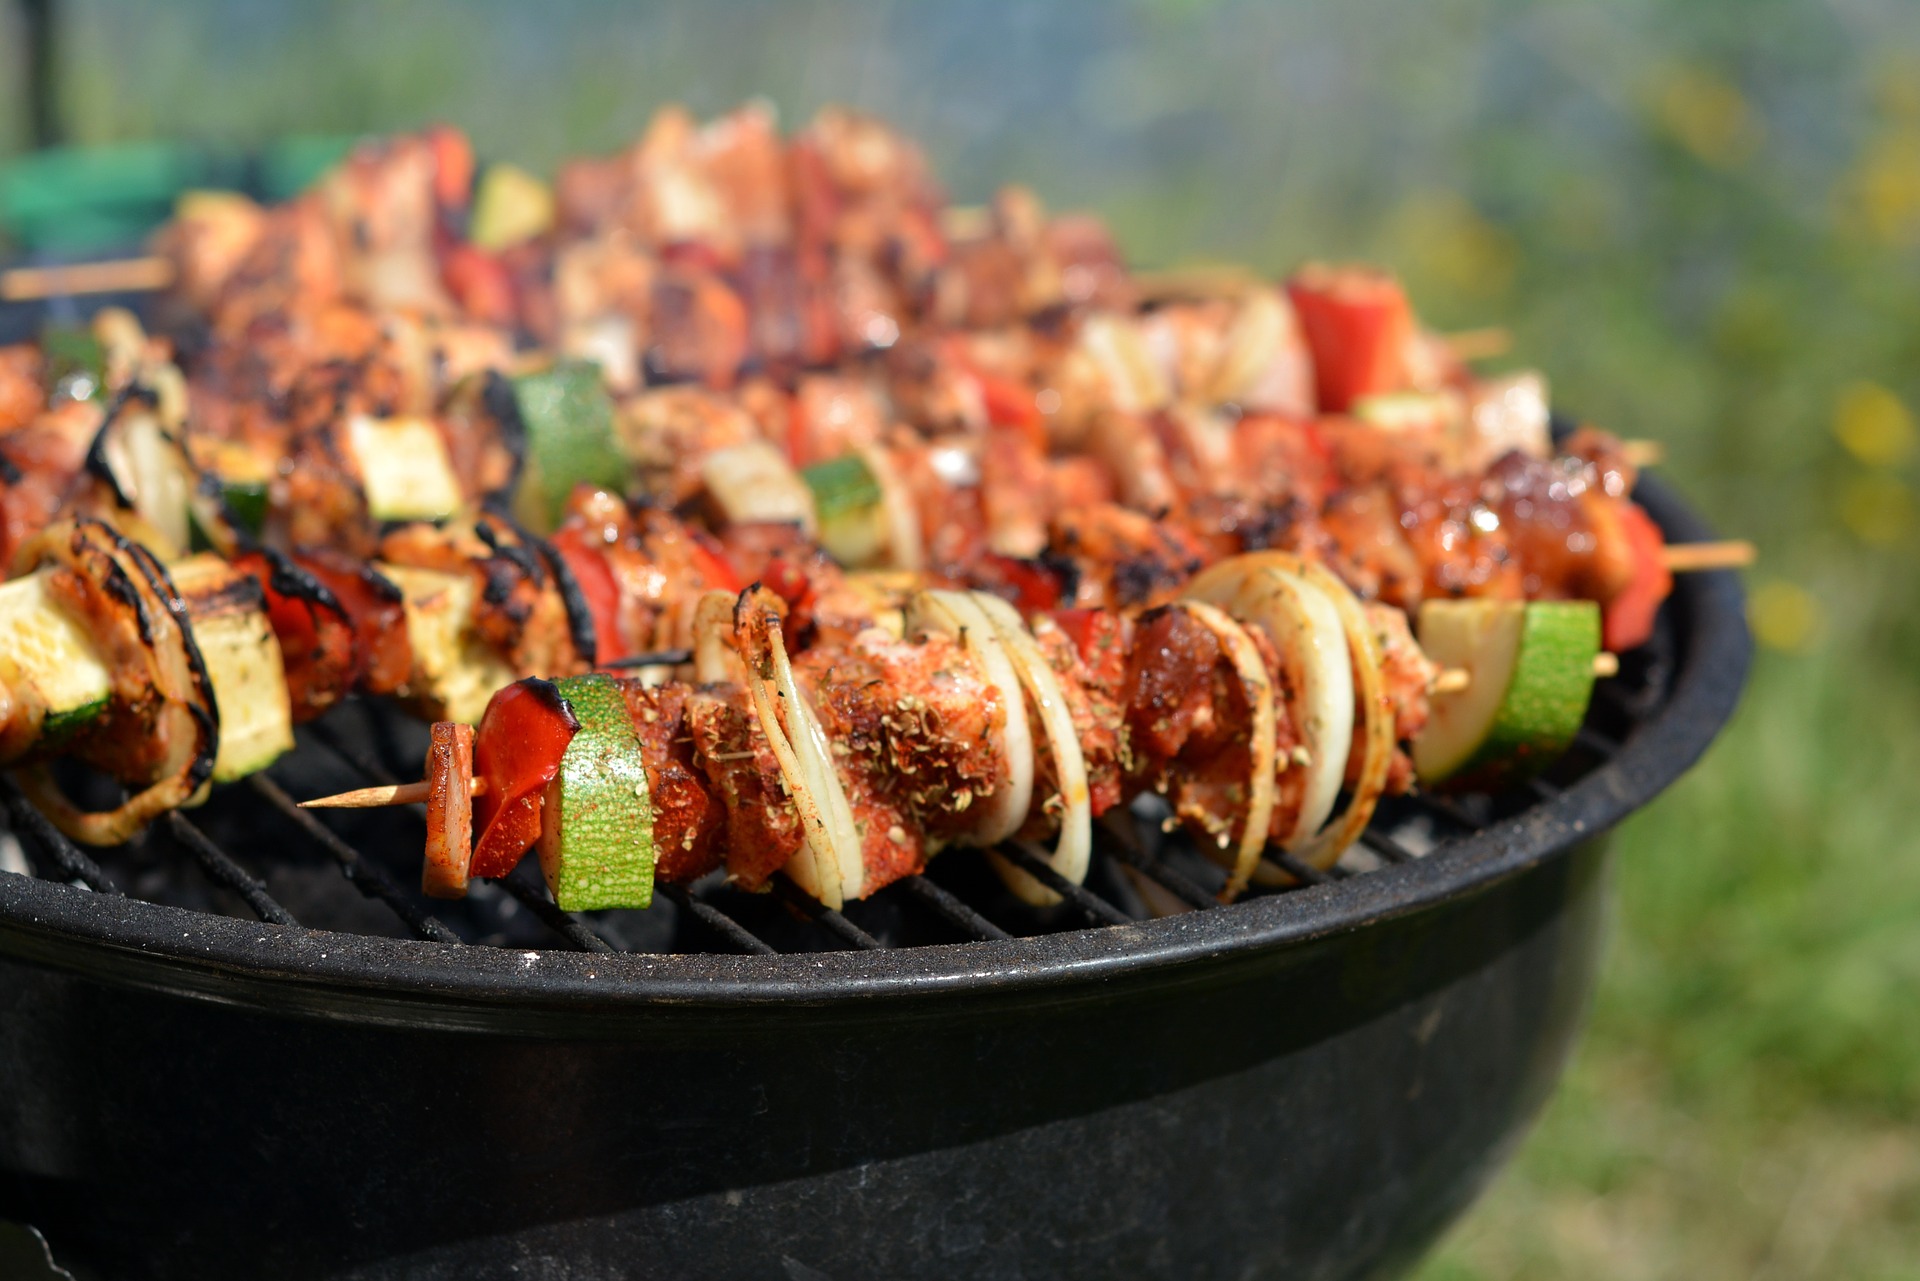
(1874, 425)
(1457, 244)
(1784, 616)
(1705, 113)
(1878, 508)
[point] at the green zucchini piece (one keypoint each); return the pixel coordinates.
(405, 471)
(596, 838)
(229, 619)
(76, 363)
(1530, 675)
(568, 417)
(510, 207)
(850, 506)
(44, 646)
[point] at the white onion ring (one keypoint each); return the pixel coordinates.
(829, 865)
(1262, 791)
(1074, 850)
(956, 614)
(1324, 848)
(164, 661)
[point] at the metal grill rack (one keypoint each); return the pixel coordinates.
(252, 852)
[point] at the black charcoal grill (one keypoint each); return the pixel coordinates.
(247, 1046)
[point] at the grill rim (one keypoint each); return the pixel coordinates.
(358, 978)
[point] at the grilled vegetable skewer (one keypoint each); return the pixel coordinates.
(1250, 717)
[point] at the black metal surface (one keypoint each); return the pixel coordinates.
(1311, 1082)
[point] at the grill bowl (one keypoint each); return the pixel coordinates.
(1311, 1083)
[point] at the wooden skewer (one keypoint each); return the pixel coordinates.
(1644, 453)
(1454, 680)
(369, 798)
(125, 275)
(1688, 558)
(1479, 344)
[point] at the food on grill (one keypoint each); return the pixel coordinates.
(1529, 669)
(596, 843)
(1021, 535)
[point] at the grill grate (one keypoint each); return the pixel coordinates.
(1136, 869)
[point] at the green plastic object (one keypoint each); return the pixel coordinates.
(75, 199)
(291, 165)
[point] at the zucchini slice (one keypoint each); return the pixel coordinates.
(754, 483)
(596, 836)
(404, 468)
(568, 418)
(851, 509)
(454, 673)
(1529, 676)
(237, 643)
(45, 648)
(511, 206)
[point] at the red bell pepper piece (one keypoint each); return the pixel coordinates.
(315, 631)
(1358, 326)
(1031, 586)
(378, 614)
(716, 571)
(479, 282)
(1627, 620)
(452, 166)
(522, 737)
(590, 571)
(1082, 627)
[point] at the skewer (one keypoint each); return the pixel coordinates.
(1479, 344)
(1688, 558)
(123, 275)
(1453, 680)
(1643, 453)
(368, 798)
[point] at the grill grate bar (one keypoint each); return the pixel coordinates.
(1128, 850)
(533, 893)
(743, 939)
(222, 870)
(833, 922)
(1386, 847)
(952, 908)
(1302, 871)
(73, 862)
(369, 878)
(1096, 908)
(353, 758)
(1594, 741)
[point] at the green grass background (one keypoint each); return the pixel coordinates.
(1702, 217)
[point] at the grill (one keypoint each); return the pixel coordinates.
(247, 1043)
(1139, 872)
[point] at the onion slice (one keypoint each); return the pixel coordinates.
(1074, 849)
(1326, 848)
(1262, 791)
(829, 864)
(140, 626)
(956, 614)
(1304, 627)
(1323, 848)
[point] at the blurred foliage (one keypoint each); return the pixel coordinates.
(1702, 216)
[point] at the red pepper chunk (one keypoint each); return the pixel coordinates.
(1358, 326)
(590, 571)
(522, 738)
(314, 630)
(1627, 621)
(1028, 584)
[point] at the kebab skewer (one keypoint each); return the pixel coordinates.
(1252, 715)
